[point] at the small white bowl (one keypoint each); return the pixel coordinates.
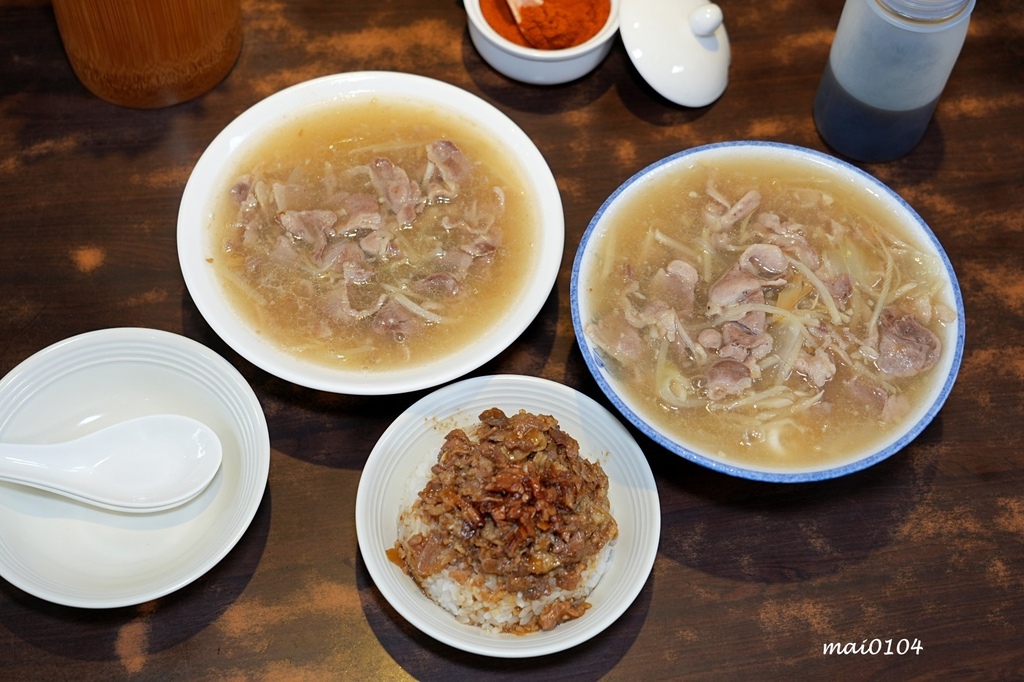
(73, 554)
(209, 180)
(815, 164)
(540, 67)
(415, 438)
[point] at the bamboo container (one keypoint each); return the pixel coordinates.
(150, 53)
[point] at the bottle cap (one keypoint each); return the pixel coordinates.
(925, 10)
(679, 47)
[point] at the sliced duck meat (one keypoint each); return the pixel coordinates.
(395, 319)
(402, 195)
(841, 288)
(482, 245)
(436, 285)
(452, 164)
(755, 344)
(242, 188)
(710, 338)
(764, 261)
(617, 338)
(742, 208)
(790, 237)
(284, 253)
(378, 244)
(867, 392)
(905, 347)
(877, 400)
(726, 378)
(312, 228)
(818, 368)
(653, 314)
(339, 306)
(735, 286)
(343, 256)
(676, 284)
(361, 211)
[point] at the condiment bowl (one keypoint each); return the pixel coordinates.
(870, 330)
(540, 67)
(216, 173)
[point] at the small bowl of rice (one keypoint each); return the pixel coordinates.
(779, 315)
(462, 589)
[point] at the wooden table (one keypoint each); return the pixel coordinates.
(751, 579)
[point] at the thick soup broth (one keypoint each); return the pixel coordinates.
(765, 315)
(374, 235)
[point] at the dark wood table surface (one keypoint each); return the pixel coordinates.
(751, 579)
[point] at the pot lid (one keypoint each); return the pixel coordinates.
(680, 47)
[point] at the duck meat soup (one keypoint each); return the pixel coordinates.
(765, 314)
(374, 235)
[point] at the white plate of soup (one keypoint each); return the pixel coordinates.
(780, 315)
(394, 474)
(370, 233)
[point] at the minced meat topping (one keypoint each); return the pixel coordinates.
(516, 501)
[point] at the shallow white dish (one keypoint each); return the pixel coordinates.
(209, 177)
(418, 434)
(73, 554)
(816, 163)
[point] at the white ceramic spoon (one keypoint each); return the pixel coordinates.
(516, 7)
(145, 464)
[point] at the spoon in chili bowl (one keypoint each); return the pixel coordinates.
(516, 7)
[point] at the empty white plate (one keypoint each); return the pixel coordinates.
(73, 554)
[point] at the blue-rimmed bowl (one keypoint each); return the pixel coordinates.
(942, 375)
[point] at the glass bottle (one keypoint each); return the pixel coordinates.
(889, 63)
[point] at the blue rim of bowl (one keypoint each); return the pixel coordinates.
(595, 365)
